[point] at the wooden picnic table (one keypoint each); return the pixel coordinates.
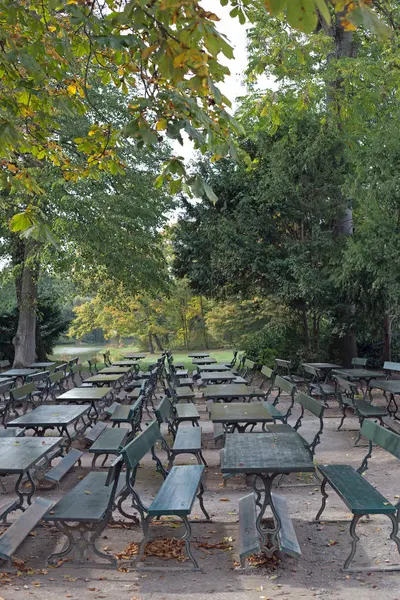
(217, 376)
(42, 365)
(237, 416)
(266, 456)
(390, 386)
(228, 392)
(134, 355)
(18, 456)
(359, 375)
(198, 354)
(204, 361)
(133, 364)
(19, 373)
(216, 367)
(95, 396)
(105, 378)
(326, 368)
(53, 417)
(114, 370)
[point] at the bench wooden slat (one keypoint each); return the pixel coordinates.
(93, 433)
(219, 432)
(86, 502)
(20, 529)
(8, 507)
(11, 432)
(186, 411)
(287, 536)
(187, 438)
(109, 441)
(110, 409)
(392, 424)
(356, 492)
(274, 412)
(249, 540)
(178, 492)
(61, 469)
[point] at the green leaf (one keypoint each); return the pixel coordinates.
(323, 10)
(302, 15)
(20, 222)
(210, 193)
(277, 6)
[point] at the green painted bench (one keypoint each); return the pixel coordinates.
(284, 368)
(249, 539)
(110, 441)
(360, 496)
(176, 496)
(187, 440)
(92, 433)
(129, 414)
(13, 537)
(83, 513)
(268, 377)
(24, 395)
(316, 385)
(346, 394)
(313, 406)
(358, 363)
(6, 402)
(282, 385)
(56, 474)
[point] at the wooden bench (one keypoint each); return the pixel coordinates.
(12, 432)
(360, 496)
(249, 539)
(110, 441)
(316, 408)
(187, 440)
(346, 395)
(129, 414)
(23, 395)
(56, 474)
(109, 410)
(285, 366)
(176, 495)
(283, 385)
(92, 433)
(83, 513)
(391, 367)
(6, 402)
(359, 363)
(316, 385)
(287, 538)
(13, 537)
(268, 377)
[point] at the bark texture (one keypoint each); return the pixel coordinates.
(26, 287)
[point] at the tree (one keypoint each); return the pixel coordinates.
(108, 228)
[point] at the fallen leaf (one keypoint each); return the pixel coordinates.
(224, 500)
(332, 543)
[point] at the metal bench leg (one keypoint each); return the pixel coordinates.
(324, 497)
(355, 538)
(187, 537)
(146, 537)
(200, 497)
(83, 537)
(203, 460)
(343, 418)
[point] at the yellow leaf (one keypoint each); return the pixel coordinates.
(161, 124)
(12, 168)
(52, 28)
(180, 59)
(72, 88)
(147, 51)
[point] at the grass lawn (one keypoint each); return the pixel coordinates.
(221, 355)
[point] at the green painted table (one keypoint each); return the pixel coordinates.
(114, 370)
(217, 376)
(204, 361)
(198, 354)
(132, 364)
(326, 368)
(134, 355)
(105, 379)
(359, 375)
(233, 391)
(390, 386)
(265, 456)
(42, 365)
(19, 373)
(55, 417)
(95, 396)
(237, 416)
(18, 456)
(211, 368)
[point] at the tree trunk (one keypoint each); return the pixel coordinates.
(345, 47)
(203, 321)
(151, 347)
(158, 343)
(387, 345)
(26, 287)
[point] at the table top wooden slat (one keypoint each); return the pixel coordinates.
(218, 376)
(388, 385)
(103, 378)
(323, 366)
(124, 363)
(17, 455)
(198, 354)
(265, 453)
(114, 370)
(84, 393)
(134, 355)
(359, 373)
(50, 415)
(19, 372)
(233, 390)
(41, 365)
(211, 368)
(240, 412)
(204, 361)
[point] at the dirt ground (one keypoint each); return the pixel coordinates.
(316, 574)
